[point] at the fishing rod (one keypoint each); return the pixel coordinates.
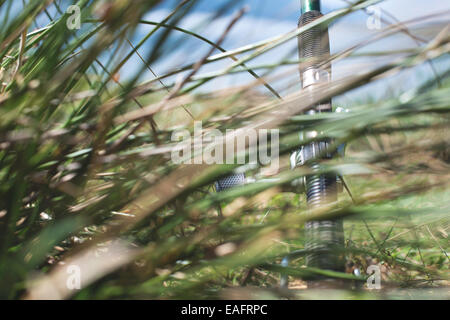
(323, 238)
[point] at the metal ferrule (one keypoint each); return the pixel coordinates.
(310, 5)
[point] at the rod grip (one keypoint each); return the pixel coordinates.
(313, 43)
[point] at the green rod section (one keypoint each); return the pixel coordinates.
(310, 5)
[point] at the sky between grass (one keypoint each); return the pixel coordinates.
(268, 18)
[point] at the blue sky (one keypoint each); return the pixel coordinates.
(267, 18)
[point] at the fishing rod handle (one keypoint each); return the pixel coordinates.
(323, 237)
(314, 51)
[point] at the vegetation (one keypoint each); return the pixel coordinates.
(86, 178)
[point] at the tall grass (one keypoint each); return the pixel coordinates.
(86, 178)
